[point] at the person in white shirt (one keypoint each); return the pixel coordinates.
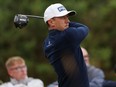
(17, 70)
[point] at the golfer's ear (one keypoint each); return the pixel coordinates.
(51, 22)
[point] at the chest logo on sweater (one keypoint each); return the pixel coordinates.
(49, 44)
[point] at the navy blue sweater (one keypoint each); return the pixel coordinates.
(62, 48)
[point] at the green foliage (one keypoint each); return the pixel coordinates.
(98, 15)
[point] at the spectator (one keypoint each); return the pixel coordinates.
(62, 46)
(96, 75)
(17, 71)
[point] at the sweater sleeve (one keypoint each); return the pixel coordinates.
(76, 32)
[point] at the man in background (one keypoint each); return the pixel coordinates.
(17, 71)
(96, 75)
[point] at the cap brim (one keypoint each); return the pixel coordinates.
(71, 13)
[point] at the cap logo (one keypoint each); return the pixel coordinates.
(61, 8)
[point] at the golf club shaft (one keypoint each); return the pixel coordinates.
(34, 16)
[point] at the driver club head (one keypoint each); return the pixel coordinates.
(20, 21)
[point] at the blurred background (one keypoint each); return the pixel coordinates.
(98, 15)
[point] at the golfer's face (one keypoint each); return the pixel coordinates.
(61, 23)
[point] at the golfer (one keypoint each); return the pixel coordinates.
(62, 46)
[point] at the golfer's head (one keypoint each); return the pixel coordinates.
(56, 10)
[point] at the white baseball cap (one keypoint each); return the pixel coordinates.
(56, 10)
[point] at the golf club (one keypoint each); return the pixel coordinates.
(21, 20)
